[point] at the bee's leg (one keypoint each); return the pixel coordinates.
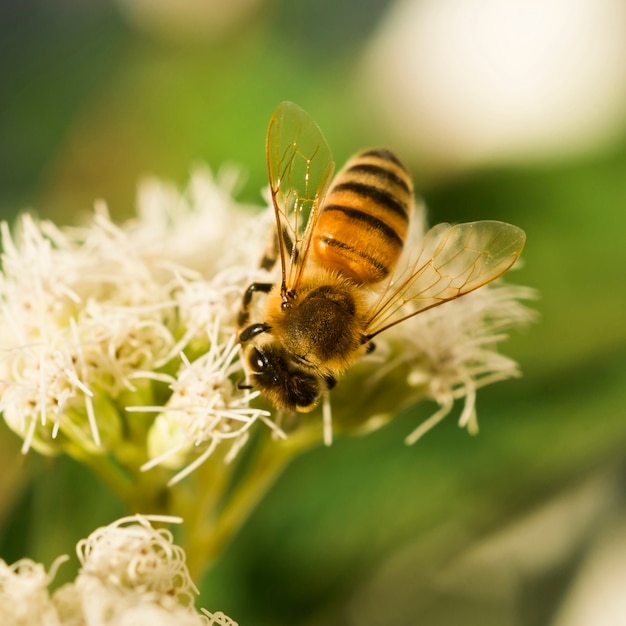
(370, 346)
(267, 263)
(270, 255)
(244, 311)
(252, 331)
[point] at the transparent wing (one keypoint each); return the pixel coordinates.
(300, 167)
(451, 261)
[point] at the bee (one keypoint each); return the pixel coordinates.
(340, 246)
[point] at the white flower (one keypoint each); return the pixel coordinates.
(24, 596)
(95, 316)
(201, 228)
(82, 311)
(131, 575)
(89, 602)
(451, 351)
(219, 619)
(130, 556)
(205, 408)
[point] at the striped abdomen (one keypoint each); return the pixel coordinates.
(363, 223)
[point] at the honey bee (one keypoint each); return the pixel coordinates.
(339, 247)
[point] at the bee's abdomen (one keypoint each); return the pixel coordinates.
(364, 220)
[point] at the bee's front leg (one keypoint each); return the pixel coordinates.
(244, 312)
(270, 256)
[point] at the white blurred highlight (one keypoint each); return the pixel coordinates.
(597, 595)
(467, 82)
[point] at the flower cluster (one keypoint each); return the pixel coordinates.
(451, 351)
(123, 338)
(100, 321)
(131, 573)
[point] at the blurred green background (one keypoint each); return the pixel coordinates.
(512, 527)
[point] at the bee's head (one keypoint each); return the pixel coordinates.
(287, 385)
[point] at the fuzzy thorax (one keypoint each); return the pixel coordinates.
(322, 326)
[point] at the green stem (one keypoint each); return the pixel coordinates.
(208, 535)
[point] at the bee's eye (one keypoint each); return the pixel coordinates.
(257, 361)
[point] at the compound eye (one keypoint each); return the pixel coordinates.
(257, 361)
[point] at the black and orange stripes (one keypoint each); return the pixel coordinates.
(364, 221)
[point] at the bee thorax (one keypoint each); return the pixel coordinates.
(322, 328)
